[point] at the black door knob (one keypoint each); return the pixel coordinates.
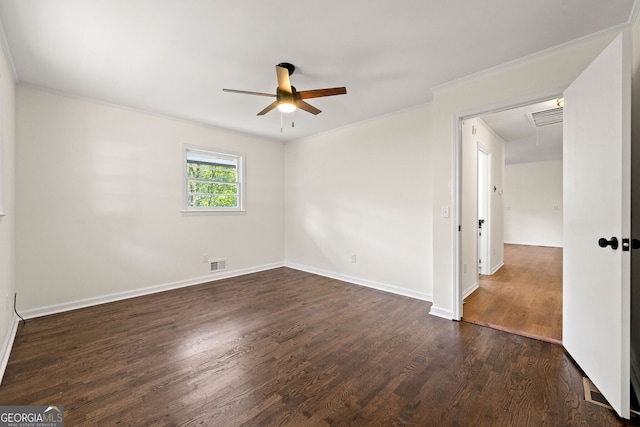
(603, 243)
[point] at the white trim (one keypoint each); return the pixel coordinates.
(152, 113)
(88, 302)
(4, 45)
(635, 11)
(518, 61)
(240, 161)
(441, 312)
(456, 197)
(497, 267)
(487, 241)
(471, 290)
(219, 212)
(7, 345)
(509, 104)
(457, 300)
(362, 282)
(543, 244)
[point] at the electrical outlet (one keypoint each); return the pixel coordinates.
(354, 258)
(205, 258)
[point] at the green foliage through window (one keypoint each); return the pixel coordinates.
(212, 184)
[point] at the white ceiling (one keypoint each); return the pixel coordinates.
(525, 142)
(173, 57)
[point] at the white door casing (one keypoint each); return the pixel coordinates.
(484, 235)
(596, 282)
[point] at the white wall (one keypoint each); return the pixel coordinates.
(91, 221)
(533, 203)
(528, 80)
(100, 199)
(7, 223)
(494, 145)
(365, 191)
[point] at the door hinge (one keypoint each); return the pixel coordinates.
(628, 244)
(625, 245)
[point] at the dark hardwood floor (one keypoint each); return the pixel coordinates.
(284, 347)
(523, 297)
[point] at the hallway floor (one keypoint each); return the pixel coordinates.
(524, 297)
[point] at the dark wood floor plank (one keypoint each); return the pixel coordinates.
(284, 347)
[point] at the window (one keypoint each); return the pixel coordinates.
(213, 181)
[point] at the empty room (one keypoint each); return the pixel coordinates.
(251, 213)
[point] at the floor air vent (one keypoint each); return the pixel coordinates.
(218, 265)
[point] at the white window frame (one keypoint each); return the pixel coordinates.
(189, 151)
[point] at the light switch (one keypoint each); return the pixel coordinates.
(445, 212)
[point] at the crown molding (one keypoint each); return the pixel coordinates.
(554, 49)
(4, 45)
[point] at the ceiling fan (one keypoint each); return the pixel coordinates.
(287, 97)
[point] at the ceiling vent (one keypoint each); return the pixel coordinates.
(546, 117)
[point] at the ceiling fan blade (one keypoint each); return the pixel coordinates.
(307, 107)
(269, 107)
(284, 84)
(272, 95)
(317, 93)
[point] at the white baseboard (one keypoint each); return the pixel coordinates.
(469, 291)
(362, 282)
(497, 267)
(441, 312)
(5, 351)
(542, 244)
(88, 302)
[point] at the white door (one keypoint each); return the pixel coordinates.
(596, 287)
(483, 212)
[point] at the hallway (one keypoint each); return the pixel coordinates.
(524, 297)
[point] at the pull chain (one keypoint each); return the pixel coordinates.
(293, 124)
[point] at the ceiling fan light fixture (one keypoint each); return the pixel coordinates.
(287, 107)
(288, 99)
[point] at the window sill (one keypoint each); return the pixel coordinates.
(206, 213)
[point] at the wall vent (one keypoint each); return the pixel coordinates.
(218, 265)
(546, 117)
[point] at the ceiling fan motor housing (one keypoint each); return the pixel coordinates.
(284, 97)
(287, 98)
(290, 67)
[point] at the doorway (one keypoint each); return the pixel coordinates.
(518, 194)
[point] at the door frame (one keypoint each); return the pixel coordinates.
(456, 179)
(484, 253)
